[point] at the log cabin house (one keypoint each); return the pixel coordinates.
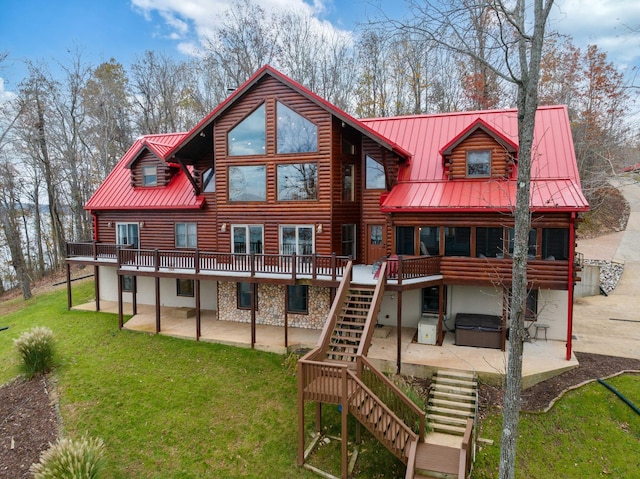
(261, 210)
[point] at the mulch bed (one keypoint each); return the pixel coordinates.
(29, 421)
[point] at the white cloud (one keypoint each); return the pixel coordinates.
(608, 24)
(4, 94)
(192, 21)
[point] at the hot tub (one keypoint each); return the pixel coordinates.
(479, 330)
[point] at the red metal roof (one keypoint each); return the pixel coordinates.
(116, 192)
(424, 186)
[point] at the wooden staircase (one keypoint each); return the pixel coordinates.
(349, 330)
(338, 372)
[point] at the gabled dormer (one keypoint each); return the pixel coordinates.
(479, 152)
(148, 170)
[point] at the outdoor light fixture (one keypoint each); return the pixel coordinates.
(142, 224)
(319, 228)
(223, 228)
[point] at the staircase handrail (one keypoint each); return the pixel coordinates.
(401, 453)
(466, 451)
(341, 294)
(374, 309)
(411, 461)
(401, 397)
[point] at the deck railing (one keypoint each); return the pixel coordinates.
(94, 250)
(314, 265)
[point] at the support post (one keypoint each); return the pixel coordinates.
(300, 416)
(254, 289)
(96, 285)
(120, 315)
(157, 281)
(134, 295)
(399, 321)
(198, 317)
(69, 299)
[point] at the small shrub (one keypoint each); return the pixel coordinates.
(36, 348)
(68, 459)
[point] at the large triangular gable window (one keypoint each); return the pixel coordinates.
(296, 134)
(249, 137)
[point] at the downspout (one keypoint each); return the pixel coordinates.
(570, 285)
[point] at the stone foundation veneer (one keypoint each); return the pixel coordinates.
(271, 306)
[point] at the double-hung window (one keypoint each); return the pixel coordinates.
(186, 235)
(150, 175)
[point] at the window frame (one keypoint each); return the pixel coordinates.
(550, 252)
(372, 183)
(349, 244)
(348, 183)
(189, 291)
(136, 244)
(447, 245)
(242, 198)
(241, 294)
(488, 242)
(187, 225)
(248, 236)
(424, 296)
(262, 147)
(297, 228)
(128, 283)
(290, 292)
(280, 189)
(209, 181)
(486, 163)
(298, 127)
(149, 179)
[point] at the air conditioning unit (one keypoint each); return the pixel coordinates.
(428, 329)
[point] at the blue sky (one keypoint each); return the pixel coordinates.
(46, 30)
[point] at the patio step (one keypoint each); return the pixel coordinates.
(452, 400)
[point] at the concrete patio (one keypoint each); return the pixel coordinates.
(542, 359)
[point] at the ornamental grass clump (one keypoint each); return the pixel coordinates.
(68, 459)
(36, 348)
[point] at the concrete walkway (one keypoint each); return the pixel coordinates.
(610, 325)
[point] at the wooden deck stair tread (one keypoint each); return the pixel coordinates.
(452, 412)
(436, 458)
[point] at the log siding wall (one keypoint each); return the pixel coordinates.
(501, 161)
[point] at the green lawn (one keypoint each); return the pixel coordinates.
(589, 433)
(174, 408)
(183, 409)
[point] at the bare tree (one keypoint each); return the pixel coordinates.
(107, 131)
(35, 104)
(517, 34)
(10, 222)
